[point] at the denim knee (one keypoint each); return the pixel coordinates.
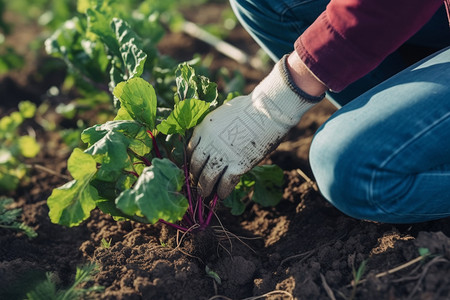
(352, 178)
(344, 178)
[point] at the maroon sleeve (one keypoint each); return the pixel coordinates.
(351, 37)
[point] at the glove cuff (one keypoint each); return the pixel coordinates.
(289, 81)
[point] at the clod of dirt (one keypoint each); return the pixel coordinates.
(202, 244)
(436, 242)
(236, 270)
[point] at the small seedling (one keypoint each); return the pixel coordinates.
(162, 243)
(9, 217)
(106, 244)
(213, 275)
(424, 252)
(357, 277)
(49, 289)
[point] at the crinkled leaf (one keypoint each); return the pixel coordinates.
(190, 85)
(129, 59)
(84, 56)
(72, 203)
(268, 184)
(186, 114)
(184, 78)
(206, 90)
(139, 99)
(139, 141)
(111, 152)
(130, 48)
(156, 193)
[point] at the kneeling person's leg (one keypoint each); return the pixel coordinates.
(386, 155)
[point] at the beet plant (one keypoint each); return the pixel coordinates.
(135, 166)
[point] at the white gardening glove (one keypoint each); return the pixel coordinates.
(236, 136)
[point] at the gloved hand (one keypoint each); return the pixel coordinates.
(240, 133)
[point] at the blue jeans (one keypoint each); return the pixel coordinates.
(385, 156)
(276, 24)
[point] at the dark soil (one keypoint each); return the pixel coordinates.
(301, 249)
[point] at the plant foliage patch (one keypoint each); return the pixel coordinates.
(135, 166)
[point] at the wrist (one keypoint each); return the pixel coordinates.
(303, 78)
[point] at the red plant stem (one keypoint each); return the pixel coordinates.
(211, 210)
(133, 173)
(177, 227)
(155, 146)
(187, 220)
(201, 221)
(188, 189)
(144, 160)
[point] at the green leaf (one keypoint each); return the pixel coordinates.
(185, 78)
(110, 142)
(28, 146)
(122, 114)
(234, 201)
(9, 124)
(8, 215)
(190, 85)
(99, 23)
(139, 99)
(264, 183)
(111, 153)
(186, 114)
(109, 207)
(206, 90)
(268, 184)
(130, 48)
(156, 193)
(27, 109)
(50, 287)
(72, 203)
(83, 55)
(136, 134)
(10, 173)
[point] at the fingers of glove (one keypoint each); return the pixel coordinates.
(211, 173)
(196, 155)
(226, 184)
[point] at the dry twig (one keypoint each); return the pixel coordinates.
(311, 183)
(327, 287)
(393, 270)
(276, 292)
(48, 170)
